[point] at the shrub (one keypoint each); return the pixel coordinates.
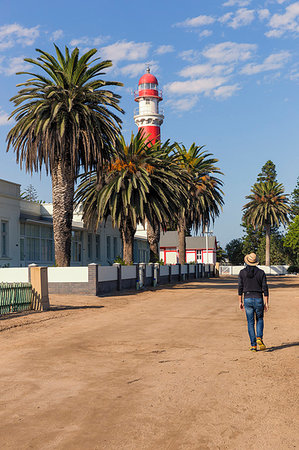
(293, 269)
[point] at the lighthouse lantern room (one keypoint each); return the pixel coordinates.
(148, 118)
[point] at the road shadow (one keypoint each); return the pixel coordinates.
(70, 307)
(282, 346)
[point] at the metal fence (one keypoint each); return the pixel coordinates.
(15, 297)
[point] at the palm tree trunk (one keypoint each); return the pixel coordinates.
(127, 232)
(182, 239)
(267, 227)
(153, 237)
(63, 197)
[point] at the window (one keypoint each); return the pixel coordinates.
(147, 101)
(108, 247)
(148, 86)
(4, 238)
(76, 246)
(89, 246)
(115, 247)
(36, 243)
(98, 247)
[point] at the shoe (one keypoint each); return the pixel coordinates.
(260, 343)
(253, 348)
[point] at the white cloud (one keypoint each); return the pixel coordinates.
(133, 70)
(224, 92)
(197, 21)
(263, 14)
(162, 49)
(190, 55)
(241, 18)
(13, 65)
(56, 35)
(205, 33)
(3, 118)
(239, 3)
(229, 52)
(203, 85)
(183, 104)
(282, 23)
(88, 42)
(124, 50)
(272, 62)
(13, 34)
(204, 70)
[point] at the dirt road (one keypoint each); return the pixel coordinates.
(165, 369)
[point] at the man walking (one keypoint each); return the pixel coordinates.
(253, 284)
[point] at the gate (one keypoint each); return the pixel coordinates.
(15, 297)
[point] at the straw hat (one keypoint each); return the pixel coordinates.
(251, 259)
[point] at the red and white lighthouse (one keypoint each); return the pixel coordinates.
(148, 118)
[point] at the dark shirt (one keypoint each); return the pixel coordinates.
(252, 282)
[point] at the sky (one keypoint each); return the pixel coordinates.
(228, 70)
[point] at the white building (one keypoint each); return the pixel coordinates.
(199, 249)
(27, 235)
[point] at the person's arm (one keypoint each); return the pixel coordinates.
(240, 291)
(266, 293)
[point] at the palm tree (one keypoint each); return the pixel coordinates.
(64, 122)
(268, 207)
(204, 192)
(138, 184)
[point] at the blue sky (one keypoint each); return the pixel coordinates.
(229, 71)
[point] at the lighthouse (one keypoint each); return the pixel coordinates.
(147, 117)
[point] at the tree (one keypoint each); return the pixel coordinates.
(294, 203)
(268, 207)
(138, 184)
(205, 199)
(291, 241)
(64, 122)
(234, 251)
(278, 253)
(30, 194)
(221, 254)
(268, 173)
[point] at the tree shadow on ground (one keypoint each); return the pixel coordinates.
(282, 346)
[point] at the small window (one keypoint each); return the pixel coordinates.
(98, 247)
(108, 247)
(4, 238)
(147, 101)
(89, 246)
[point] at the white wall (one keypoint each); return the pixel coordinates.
(272, 270)
(68, 274)
(14, 275)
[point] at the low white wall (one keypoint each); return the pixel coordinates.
(269, 270)
(107, 273)
(148, 271)
(68, 274)
(191, 268)
(14, 275)
(128, 272)
(175, 270)
(164, 270)
(184, 269)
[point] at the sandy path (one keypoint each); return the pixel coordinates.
(165, 369)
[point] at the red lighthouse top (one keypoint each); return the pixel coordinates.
(148, 87)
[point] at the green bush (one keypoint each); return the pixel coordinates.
(293, 269)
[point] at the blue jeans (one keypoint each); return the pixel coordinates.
(254, 307)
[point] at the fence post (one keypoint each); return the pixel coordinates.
(141, 270)
(39, 282)
(180, 272)
(93, 278)
(188, 271)
(156, 274)
(169, 273)
(118, 276)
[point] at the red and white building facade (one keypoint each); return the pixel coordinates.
(199, 249)
(148, 117)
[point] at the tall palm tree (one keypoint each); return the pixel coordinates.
(64, 122)
(268, 207)
(138, 184)
(204, 192)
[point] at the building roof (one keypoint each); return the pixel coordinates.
(148, 78)
(171, 239)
